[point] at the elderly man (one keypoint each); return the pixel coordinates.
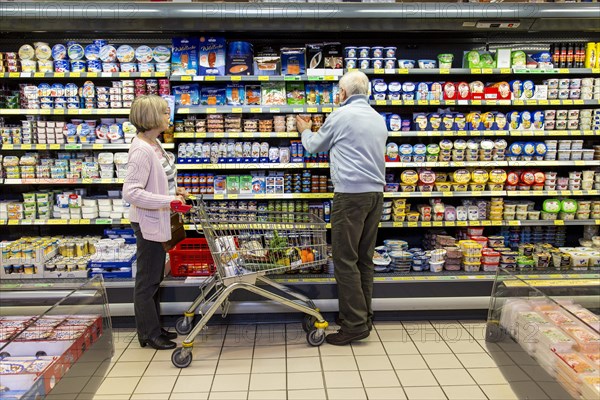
(355, 135)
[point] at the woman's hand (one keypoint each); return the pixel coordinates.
(180, 198)
(183, 193)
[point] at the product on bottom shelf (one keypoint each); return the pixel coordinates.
(115, 256)
(61, 338)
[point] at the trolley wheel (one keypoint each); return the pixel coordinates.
(4, 354)
(308, 323)
(40, 354)
(493, 333)
(315, 337)
(179, 360)
(183, 326)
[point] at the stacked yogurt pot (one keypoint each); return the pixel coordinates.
(98, 56)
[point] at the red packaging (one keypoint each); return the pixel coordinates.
(512, 178)
(528, 178)
(464, 91)
(450, 91)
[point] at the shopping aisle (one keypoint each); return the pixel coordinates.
(400, 360)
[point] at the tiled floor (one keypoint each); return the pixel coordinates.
(399, 360)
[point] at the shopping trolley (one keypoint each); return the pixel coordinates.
(247, 245)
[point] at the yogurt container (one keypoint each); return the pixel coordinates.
(92, 52)
(406, 64)
(108, 54)
(364, 63)
(364, 52)
(350, 52)
(75, 52)
(427, 64)
(59, 52)
(78, 66)
(351, 63)
(377, 52)
(62, 66)
(125, 53)
(94, 66)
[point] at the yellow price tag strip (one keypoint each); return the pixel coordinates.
(236, 78)
(210, 78)
(256, 110)
(505, 71)
(186, 78)
(236, 110)
(403, 71)
(559, 222)
(412, 224)
(379, 71)
(476, 102)
(444, 71)
(327, 109)
(263, 78)
(487, 71)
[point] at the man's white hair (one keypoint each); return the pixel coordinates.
(355, 82)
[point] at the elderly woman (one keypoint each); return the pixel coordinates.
(150, 187)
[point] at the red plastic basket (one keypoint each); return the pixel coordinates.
(191, 257)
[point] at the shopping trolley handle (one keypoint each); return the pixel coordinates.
(180, 207)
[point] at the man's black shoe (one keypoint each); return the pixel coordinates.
(338, 322)
(167, 334)
(342, 338)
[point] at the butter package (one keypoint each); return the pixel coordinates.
(184, 60)
(211, 51)
(236, 94)
(267, 62)
(293, 61)
(213, 96)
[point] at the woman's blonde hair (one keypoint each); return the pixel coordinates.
(148, 112)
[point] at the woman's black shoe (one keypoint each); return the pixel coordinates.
(167, 334)
(158, 343)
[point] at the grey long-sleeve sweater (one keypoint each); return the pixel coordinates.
(355, 134)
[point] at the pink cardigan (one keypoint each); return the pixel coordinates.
(147, 190)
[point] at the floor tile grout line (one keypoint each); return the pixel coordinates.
(252, 363)
(358, 368)
(390, 360)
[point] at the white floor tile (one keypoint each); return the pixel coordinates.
(425, 335)
(193, 384)
(464, 392)
(394, 335)
(234, 367)
(528, 390)
(304, 380)
(268, 365)
(514, 373)
(487, 376)
(312, 394)
(106, 397)
(400, 348)
(161, 368)
(124, 369)
(416, 377)
(276, 351)
(466, 346)
(302, 350)
(442, 361)
(454, 333)
(304, 364)
(499, 392)
(268, 338)
(476, 360)
(139, 354)
(200, 367)
(408, 361)
(267, 395)
(189, 396)
(343, 379)
(379, 379)
(206, 352)
(329, 350)
(433, 348)
(393, 393)
(112, 386)
(453, 377)
(425, 393)
(368, 348)
(339, 363)
(384, 325)
(346, 394)
(147, 396)
(236, 353)
(373, 363)
(155, 384)
(521, 358)
(413, 326)
(228, 396)
(230, 383)
(268, 381)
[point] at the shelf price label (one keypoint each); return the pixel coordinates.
(476, 70)
(236, 110)
(505, 71)
(559, 222)
(210, 78)
(403, 71)
(412, 224)
(461, 223)
(409, 102)
(327, 109)
(277, 110)
(313, 109)
(211, 110)
(75, 75)
(256, 110)
(57, 222)
(496, 223)
(444, 71)
(380, 102)
(186, 78)
(438, 223)
(74, 221)
(263, 78)
(487, 71)
(486, 223)
(103, 221)
(59, 74)
(13, 222)
(514, 223)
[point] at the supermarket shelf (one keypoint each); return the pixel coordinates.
(591, 163)
(479, 71)
(251, 166)
(234, 135)
(483, 102)
(59, 111)
(285, 196)
(253, 78)
(256, 109)
(550, 193)
(78, 146)
(447, 164)
(442, 224)
(443, 194)
(54, 75)
(104, 181)
(97, 221)
(464, 224)
(493, 133)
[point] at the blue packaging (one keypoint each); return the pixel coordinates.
(184, 60)
(526, 120)
(92, 52)
(236, 94)
(394, 122)
(364, 63)
(422, 91)
(187, 95)
(240, 56)
(350, 52)
(379, 89)
(94, 66)
(514, 120)
(62, 66)
(516, 87)
(394, 91)
(448, 122)
(78, 66)
(213, 96)
(528, 89)
(420, 122)
(364, 52)
(538, 120)
(100, 42)
(293, 61)
(59, 52)
(75, 51)
(211, 51)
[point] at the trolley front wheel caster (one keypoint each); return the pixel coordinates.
(308, 323)
(181, 359)
(493, 333)
(183, 326)
(315, 337)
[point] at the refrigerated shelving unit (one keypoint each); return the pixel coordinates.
(420, 30)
